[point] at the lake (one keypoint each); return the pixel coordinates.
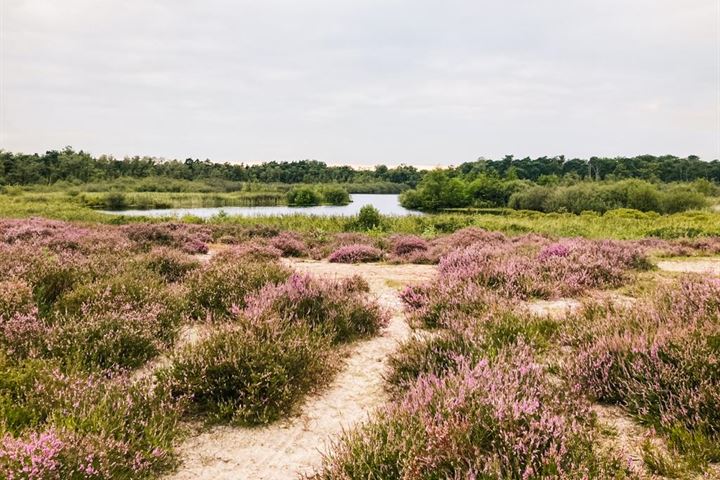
(386, 204)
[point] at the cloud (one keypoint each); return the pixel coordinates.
(361, 82)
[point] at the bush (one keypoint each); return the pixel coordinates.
(225, 281)
(357, 253)
(253, 372)
(71, 426)
(115, 201)
(436, 355)
(368, 218)
(403, 245)
(169, 263)
(335, 195)
(303, 197)
(339, 309)
(120, 321)
(290, 244)
(658, 359)
(680, 199)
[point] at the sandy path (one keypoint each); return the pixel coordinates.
(295, 446)
(707, 265)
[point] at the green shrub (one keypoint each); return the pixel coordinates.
(680, 199)
(436, 355)
(225, 281)
(115, 201)
(335, 195)
(249, 373)
(93, 426)
(303, 197)
(369, 218)
(170, 264)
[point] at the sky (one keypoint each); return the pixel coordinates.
(361, 82)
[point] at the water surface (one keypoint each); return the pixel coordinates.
(387, 205)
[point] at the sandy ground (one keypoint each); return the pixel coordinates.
(295, 446)
(707, 265)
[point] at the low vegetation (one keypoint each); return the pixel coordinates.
(112, 336)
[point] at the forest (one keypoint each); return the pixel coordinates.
(69, 165)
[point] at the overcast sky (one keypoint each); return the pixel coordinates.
(363, 81)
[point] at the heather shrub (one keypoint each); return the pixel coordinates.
(52, 275)
(188, 237)
(482, 329)
(23, 334)
(59, 236)
(170, 264)
(407, 244)
(68, 426)
(249, 251)
(225, 281)
(16, 297)
(441, 303)
(339, 309)
(290, 244)
(124, 337)
(565, 268)
(436, 355)
(357, 253)
(411, 249)
(252, 372)
(499, 419)
(464, 238)
(119, 321)
(659, 360)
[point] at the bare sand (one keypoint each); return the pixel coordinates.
(707, 265)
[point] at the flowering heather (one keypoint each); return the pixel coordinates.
(442, 304)
(190, 238)
(60, 236)
(321, 246)
(70, 426)
(356, 253)
(340, 309)
(23, 335)
(16, 296)
(290, 244)
(681, 247)
(500, 419)
(406, 244)
(659, 359)
(565, 268)
(249, 251)
(170, 264)
(464, 238)
(410, 249)
(222, 284)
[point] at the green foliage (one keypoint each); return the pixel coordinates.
(115, 201)
(335, 195)
(303, 197)
(368, 218)
(72, 167)
(602, 197)
(225, 282)
(250, 373)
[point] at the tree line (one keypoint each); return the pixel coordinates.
(73, 166)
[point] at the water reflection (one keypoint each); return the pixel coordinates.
(386, 204)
